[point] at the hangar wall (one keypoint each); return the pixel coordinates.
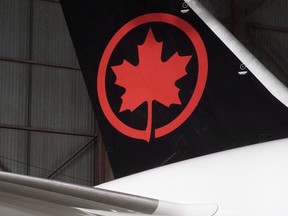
(261, 25)
(47, 125)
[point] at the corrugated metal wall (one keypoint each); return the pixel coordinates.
(265, 29)
(268, 35)
(13, 111)
(51, 39)
(45, 113)
(46, 119)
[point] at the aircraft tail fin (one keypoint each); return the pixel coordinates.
(168, 82)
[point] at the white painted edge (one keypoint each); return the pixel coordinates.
(271, 83)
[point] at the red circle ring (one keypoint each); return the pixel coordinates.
(200, 84)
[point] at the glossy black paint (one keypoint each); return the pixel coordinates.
(235, 110)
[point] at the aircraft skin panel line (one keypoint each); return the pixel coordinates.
(276, 87)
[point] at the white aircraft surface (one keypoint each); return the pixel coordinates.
(244, 181)
(248, 180)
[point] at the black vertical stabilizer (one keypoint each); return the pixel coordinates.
(163, 86)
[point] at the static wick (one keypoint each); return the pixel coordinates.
(185, 11)
(242, 73)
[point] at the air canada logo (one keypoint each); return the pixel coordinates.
(152, 75)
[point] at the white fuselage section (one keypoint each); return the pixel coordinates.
(248, 181)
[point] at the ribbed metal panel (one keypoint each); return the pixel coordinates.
(268, 39)
(271, 13)
(13, 150)
(52, 98)
(81, 170)
(14, 31)
(60, 100)
(49, 151)
(271, 49)
(14, 39)
(51, 40)
(13, 93)
(13, 111)
(219, 8)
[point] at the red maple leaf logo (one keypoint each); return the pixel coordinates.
(150, 80)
